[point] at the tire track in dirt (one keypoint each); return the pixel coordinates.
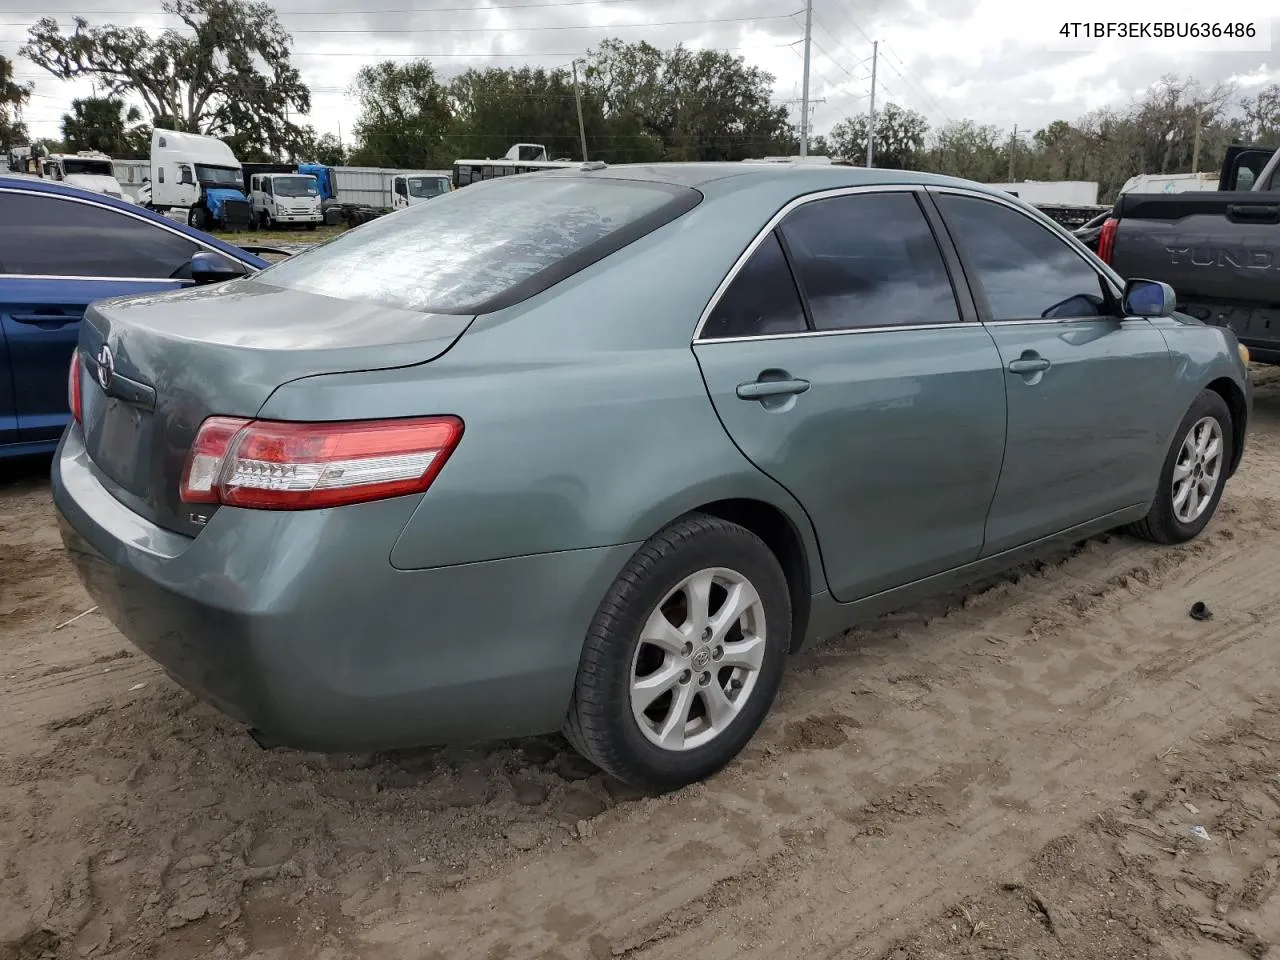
(778, 892)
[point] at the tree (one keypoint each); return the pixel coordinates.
(108, 125)
(326, 149)
(1262, 114)
(683, 104)
(13, 97)
(899, 138)
(404, 116)
(229, 77)
(495, 108)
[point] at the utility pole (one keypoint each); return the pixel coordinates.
(804, 96)
(1013, 146)
(577, 99)
(871, 115)
(1195, 151)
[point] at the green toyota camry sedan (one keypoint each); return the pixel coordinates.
(596, 450)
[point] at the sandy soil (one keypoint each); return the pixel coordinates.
(1061, 765)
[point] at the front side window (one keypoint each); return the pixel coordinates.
(480, 249)
(869, 260)
(68, 238)
(1024, 269)
(761, 300)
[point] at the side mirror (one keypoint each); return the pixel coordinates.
(1149, 298)
(208, 267)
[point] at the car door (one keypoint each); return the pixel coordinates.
(65, 253)
(1087, 388)
(840, 362)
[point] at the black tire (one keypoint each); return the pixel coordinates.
(1161, 524)
(600, 723)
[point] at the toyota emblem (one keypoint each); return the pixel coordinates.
(106, 367)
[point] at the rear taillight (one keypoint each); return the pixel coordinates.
(1107, 239)
(273, 465)
(73, 388)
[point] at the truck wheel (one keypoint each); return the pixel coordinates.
(1193, 476)
(684, 657)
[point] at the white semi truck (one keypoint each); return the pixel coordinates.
(87, 169)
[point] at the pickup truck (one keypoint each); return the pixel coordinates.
(1220, 250)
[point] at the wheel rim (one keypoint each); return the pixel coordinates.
(1197, 470)
(698, 659)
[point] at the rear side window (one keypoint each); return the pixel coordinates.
(51, 236)
(485, 247)
(869, 260)
(761, 300)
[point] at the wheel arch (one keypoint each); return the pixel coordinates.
(1234, 398)
(784, 540)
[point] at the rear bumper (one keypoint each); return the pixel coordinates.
(297, 624)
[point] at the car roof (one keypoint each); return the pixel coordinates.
(31, 184)
(804, 177)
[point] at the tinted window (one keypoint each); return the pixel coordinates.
(471, 246)
(1025, 270)
(869, 260)
(49, 236)
(762, 298)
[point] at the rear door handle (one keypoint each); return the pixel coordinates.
(1026, 365)
(764, 389)
(46, 321)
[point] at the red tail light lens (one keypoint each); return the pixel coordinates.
(270, 465)
(73, 388)
(1107, 239)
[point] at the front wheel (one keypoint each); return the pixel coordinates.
(1193, 476)
(684, 657)
(198, 217)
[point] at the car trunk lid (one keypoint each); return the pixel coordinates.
(153, 368)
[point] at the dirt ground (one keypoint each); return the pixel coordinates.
(1063, 765)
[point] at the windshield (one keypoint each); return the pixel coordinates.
(476, 244)
(222, 176)
(294, 186)
(427, 187)
(96, 168)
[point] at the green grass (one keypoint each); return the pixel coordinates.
(273, 237)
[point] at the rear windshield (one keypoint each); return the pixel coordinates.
(485, 246)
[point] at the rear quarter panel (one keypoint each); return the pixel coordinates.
(586, 419)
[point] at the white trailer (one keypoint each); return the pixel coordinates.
(1170, 183)
(1066, 193)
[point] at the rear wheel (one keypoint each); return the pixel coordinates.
(683, 659)
(1193, 476)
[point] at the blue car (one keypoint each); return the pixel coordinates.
(61, 249)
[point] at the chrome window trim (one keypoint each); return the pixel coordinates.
(127, 213)
(59, 276)
(1052, 228)
(768, 228)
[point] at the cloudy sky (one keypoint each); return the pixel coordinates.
(994, 61)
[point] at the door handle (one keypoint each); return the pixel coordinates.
(1254, 213)
(764, 389)
(46, 321)
(1025, 365)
